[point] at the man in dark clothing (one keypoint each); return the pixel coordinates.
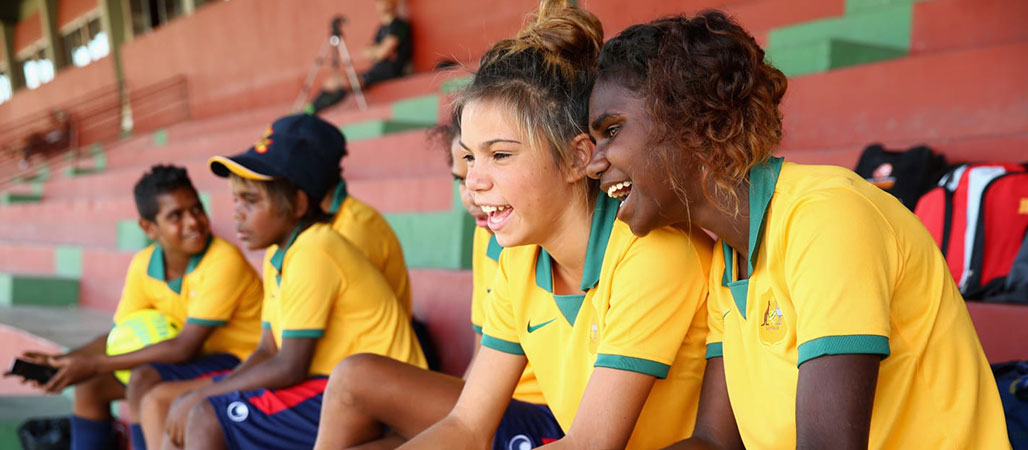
(390, 54)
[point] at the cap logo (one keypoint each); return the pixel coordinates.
(262, 144)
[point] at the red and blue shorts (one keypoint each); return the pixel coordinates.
(526, 426)
(271, 418)
(202, 367)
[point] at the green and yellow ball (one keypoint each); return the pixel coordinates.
(137, 330)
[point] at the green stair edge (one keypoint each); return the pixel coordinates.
(827, 55)
(38, 290)
(886, 26)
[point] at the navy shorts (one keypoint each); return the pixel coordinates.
(526, 426)
(271, 418)
(202, 367)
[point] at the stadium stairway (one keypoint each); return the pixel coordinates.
(66, 239)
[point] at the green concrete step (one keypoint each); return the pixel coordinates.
(828, 54)
(42, 173)
(437, 240)
(456, 84)
(15, 410)
(371, 129)
(160, 138)
(424, 109)
(45, 290)
(10, 198)
(858, 6)
(887, 26)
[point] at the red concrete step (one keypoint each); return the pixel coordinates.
(1001, 330)
(442, 300)
(27, 258)
(81, 221)
(977, 92)
(1012, 148)
(941, 25)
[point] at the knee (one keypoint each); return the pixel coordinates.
(142, 380)
(202, 427)
(354, 376)
(93, 390)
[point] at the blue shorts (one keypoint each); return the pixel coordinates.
(271, 418)
(202, 367)
(526, 426)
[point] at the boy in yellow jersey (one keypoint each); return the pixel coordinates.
(369, 231)
(194, 278)
(834, 322)
(323, 300)
(371, 385)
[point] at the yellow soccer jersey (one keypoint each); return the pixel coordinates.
(643, 311)
(219, 289)
(370, 232)
(321, 286)
(841, 267)
(484, 261)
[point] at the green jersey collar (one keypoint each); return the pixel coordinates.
(763, 179)
(494, 249)
(338, 196)
(280, 253)
(604, 215)
(155, 268)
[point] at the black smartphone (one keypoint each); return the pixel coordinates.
(29, 370)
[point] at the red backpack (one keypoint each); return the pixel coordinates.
(978, 215)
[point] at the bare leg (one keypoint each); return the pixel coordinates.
(367, 392)
(93, 397)
(143, 379)
(153, 410)
(203, 430)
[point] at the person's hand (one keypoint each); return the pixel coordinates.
(71, 369)
(178, 415)
(38, 357)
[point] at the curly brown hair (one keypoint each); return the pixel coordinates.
(713, 97)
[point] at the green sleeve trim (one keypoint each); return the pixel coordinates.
(854, 344)
(502, 345)
(303, 333)
(478, 329)
(266, 325)
(206, 322)
(714, 350)
(643, 366)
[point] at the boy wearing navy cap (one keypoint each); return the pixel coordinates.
(323, 300)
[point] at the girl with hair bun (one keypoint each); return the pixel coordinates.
(834, 322)
(613, 324)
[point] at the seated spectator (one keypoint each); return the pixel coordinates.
(46, 142)
(390, 55)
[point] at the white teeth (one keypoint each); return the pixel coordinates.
(613, 191)
(491, 209)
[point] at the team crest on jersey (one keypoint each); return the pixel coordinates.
(772, 320)
(262, 144)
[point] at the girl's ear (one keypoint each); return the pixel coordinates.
(302, 203)
(582, 148)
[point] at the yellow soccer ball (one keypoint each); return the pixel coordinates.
(137, 330)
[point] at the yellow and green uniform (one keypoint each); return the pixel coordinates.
(321, 286)
(484, 261)
(643, 311)
(838, 266)
(371, 233)
(219, 289)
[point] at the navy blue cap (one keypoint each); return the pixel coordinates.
(301, 148)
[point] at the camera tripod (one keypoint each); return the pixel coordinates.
(341, 54)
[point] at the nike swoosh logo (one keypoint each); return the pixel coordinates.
(532, 329)
(725, 314)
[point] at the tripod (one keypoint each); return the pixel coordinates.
(341, 53)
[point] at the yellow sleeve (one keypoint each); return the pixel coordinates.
(268, 274)
(658, 287)
(840, 263)
(220, 292)
(133, 294)
(500, 331)
(310, 286)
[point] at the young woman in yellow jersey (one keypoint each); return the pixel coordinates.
(612, 324)
(833, 320)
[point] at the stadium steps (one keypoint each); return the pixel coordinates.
(945, 25)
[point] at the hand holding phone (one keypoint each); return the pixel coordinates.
(40, 373)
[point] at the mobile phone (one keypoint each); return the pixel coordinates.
(29, 370)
